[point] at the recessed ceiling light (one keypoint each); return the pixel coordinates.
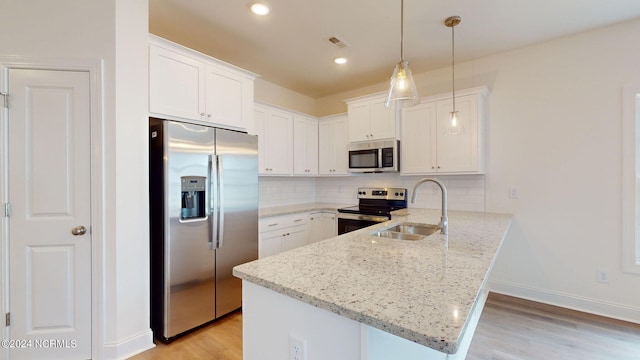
(260, 7)
(340, 60)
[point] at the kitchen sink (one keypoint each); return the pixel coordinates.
(410, 228)
(398, 235)
(407, 231)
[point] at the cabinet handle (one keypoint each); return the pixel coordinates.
(297, 220)
(202, 114)
(274, 224)
(208, 115)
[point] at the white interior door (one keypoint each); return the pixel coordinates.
(49, 195)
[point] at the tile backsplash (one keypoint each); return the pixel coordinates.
(466, 192)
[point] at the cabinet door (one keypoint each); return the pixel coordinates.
(275, 140)
(340, 141)
(382, 125)
(329, 225)
(279, 138)
(359, 119)
(224, 98)
(315, 227)
(312, 146)
(305, 146)
(326, 158)
(176, 84)
(332, 146)
(418, 155)
(295, 236)
(260, 119)
(460, 152)
(269, 243)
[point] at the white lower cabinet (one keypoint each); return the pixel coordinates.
(322, 225)
(282, 233)
(286, 232)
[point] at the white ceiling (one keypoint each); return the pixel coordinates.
(290, 46)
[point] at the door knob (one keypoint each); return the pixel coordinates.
(79, 230)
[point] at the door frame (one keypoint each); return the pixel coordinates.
(95, 68)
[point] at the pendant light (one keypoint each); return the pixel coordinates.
(402, 88)
(455, 126)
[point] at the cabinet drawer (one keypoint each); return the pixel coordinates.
(280, 222)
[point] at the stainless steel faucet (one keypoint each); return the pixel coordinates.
(444, 221)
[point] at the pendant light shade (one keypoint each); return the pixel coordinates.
(402, 88)
(455, 125)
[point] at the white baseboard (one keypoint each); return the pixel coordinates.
(129, 347)
(569, 301)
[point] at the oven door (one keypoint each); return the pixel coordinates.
(352, 222)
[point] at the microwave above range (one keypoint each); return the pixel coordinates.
(374, 156)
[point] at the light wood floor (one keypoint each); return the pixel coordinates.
(509, 329)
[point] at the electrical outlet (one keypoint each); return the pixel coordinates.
(297, 348)
(602, 276)
(514, 193)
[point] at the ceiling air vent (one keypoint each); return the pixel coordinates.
(335, 40)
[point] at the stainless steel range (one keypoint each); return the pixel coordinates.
(374, 206)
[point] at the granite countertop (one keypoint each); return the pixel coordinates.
(420, 290)
(298, 208)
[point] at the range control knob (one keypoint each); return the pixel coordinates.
(397, 194)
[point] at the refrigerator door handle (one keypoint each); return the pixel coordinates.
(220, 217)
(212, 201)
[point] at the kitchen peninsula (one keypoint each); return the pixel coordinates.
(358, 296)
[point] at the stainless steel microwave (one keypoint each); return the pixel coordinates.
(374, 156)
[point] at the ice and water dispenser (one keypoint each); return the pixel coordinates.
(193, 197)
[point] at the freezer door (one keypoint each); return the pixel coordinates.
(237, 235)
(189, 251)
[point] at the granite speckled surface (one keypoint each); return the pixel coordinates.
(419, 290)
(298, 208)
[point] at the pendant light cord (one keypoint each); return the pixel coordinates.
(453, 68)
(401, 30)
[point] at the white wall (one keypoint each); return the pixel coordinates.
(556, 114)
(114, 32)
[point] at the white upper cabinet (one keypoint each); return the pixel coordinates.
(274, 128)
(426, 148)
(332, 145)
(369, 119)
(305, 145)
(185, 84)
(176, 84)
(418, 142)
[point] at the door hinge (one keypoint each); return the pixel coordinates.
(5, 99)
(7, 319)
(7, 210)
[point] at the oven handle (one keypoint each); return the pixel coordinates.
(376, 218)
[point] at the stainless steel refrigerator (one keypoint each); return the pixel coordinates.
(203, 184)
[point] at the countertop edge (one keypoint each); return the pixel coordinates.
(266, 212)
